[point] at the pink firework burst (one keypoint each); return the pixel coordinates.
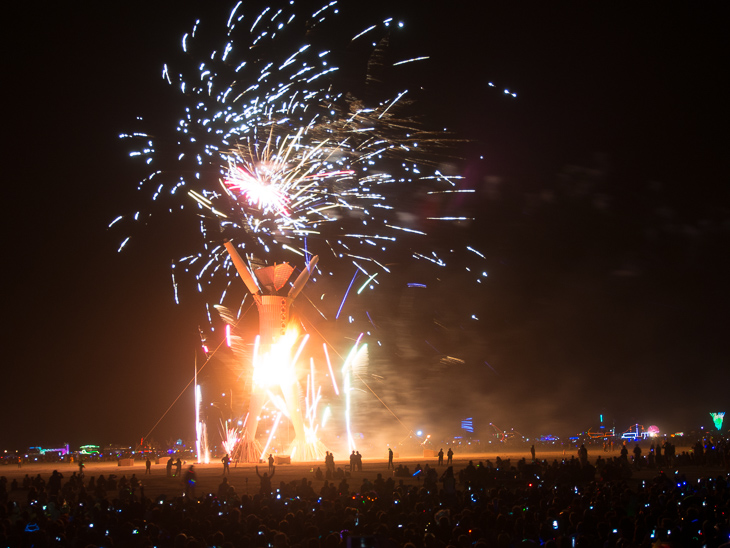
(259, 192)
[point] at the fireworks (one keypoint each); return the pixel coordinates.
(275, 151)
(272, 147)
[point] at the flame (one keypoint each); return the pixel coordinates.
(275, 366)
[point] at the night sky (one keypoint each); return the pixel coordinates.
(601, 203)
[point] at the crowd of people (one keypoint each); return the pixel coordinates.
(570, 502)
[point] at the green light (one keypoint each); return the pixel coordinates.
(717, 419)
(366, 283)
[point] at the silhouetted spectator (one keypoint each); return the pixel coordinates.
(265, 487)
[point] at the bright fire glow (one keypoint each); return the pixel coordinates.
(271, 435)
(276, 366)
(262, 193)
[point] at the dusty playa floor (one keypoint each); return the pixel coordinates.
(243, 476)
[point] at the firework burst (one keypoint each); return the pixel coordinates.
(275, 150)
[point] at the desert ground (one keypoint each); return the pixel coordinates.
(243, 476)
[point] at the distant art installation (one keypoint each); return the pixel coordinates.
(274, 372)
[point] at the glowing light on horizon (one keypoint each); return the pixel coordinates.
(717, 419)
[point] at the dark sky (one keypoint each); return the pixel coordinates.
(602, 208)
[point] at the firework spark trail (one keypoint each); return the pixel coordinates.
(348, 372)
(230, 438)
(271, 435)
(329, 367)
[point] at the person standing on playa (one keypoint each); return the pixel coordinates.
(265, 486)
